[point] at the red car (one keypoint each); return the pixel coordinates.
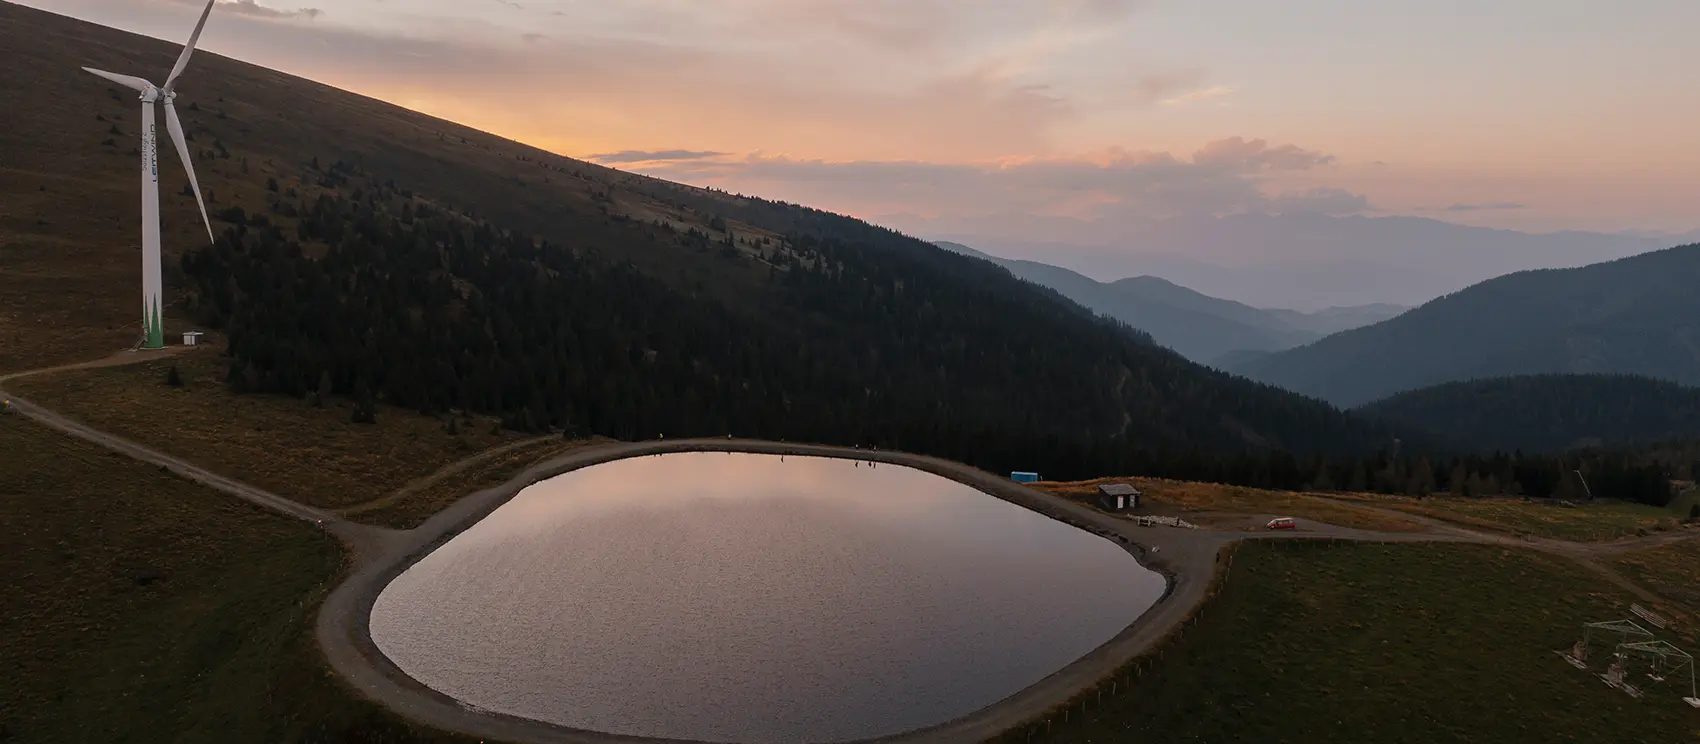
(1282, 523)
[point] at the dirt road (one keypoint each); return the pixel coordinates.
(119, 444)
(454, 468)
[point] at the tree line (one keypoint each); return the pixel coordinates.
(1550, 413)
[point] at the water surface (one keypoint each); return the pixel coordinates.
(733, 597)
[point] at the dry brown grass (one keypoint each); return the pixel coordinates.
(409, 507)
(313, 455)
(1593, 522)
(1215, 497)
(1590, 522)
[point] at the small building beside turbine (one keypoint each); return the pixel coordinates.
(192, 338)
(1117, 497)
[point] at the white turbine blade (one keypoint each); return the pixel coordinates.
(189, 48)
(133, 83)
(176, 128)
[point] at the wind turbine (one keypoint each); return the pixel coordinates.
(153, 336)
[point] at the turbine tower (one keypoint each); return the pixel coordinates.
(153, 332)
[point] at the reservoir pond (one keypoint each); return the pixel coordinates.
(730, 597)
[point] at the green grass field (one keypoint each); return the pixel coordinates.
(1382, 643)
(141, 608)
(1672, 571)
(1684, 501)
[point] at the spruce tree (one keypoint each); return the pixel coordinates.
(1323, 482)
(365, 408)
(1421, 482)
(1360, 478)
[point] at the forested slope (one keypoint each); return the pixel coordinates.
(1549, 413)
(347, 285)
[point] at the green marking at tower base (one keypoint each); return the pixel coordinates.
(153, 328)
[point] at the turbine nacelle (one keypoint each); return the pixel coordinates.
(152, 94)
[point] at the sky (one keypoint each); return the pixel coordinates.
(1534, 115)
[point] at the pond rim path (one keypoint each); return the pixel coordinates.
(1188, 559)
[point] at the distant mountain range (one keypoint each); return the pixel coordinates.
(1549, 413)
(1638, 315)
(1202, 328)
(1302, 261)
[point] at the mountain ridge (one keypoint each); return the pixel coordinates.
(1314, 261)
(1636, 315)
(1202, 328)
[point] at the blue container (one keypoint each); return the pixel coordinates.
(1024, 477)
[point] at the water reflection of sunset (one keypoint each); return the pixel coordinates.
(740, 597)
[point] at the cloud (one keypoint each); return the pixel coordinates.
(1223, 177)
(1097, 11)
(1215, 91)
(920, 24)
(1329, 201)
(1256, 155)
(889, 23)
(607, 90)
(255, 9)
(652, 156)
(1155, 88)
(1488, 207)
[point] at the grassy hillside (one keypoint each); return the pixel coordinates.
(1637, 315)
(312, 454)
(1549, 413)
(1382, 643)
(142, 608)
(499, 278)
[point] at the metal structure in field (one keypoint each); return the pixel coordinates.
(1654, 619)
(1633, 659)
(1603, 637)
(153, 329)
(1660, 662)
